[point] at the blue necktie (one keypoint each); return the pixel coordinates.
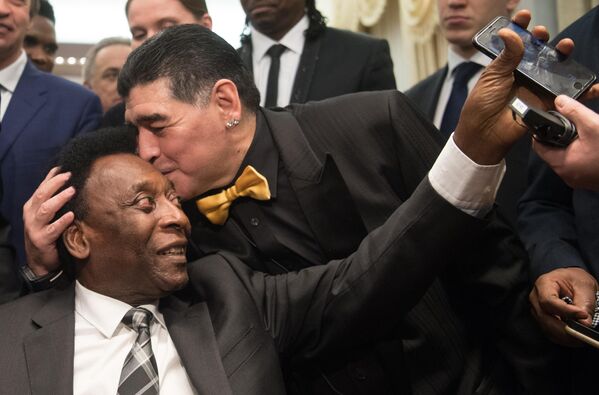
(459, 91)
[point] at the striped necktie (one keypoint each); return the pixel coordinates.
(140, 373)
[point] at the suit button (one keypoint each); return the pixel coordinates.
(254, 221)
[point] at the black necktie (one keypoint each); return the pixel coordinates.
(140, 373)
(459, 91)
(272, 89)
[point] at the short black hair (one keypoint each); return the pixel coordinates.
(78, 157)
(47, 11)
(197, 7)
(317, 23)
(193, 59)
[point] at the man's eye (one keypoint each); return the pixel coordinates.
(146, 203)
(138, 36)
(168, 24)
(30, 41)
(173, 197)
(111, 75)
(50, 49)
(156, 130)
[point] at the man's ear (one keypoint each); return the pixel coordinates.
(206, 21)
(75, 241)
(226, 97)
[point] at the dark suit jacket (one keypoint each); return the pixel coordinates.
(44, 113)
(337, 62)
(233, 327)
(10, 280)
(558, 224)
(375, 151)
(425, 95)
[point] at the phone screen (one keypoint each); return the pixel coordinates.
(541, 63)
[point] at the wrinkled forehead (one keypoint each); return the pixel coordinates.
(115, 176)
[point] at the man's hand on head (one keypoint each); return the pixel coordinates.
(551, 311)
(486, 130)
(41, 233)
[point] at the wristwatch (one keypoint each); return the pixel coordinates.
(39, 283)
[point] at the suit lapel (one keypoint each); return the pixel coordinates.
(191, 329)
(49, 351)
(305, 70)
(28, 98)
(319, 187)
(245, 52)
(432, 97)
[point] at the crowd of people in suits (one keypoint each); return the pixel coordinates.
(278, 218)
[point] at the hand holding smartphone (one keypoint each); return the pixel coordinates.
(542, 65)
(583, 333)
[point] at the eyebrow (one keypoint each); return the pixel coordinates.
(148, 186)
(149, 118)
(140, 186)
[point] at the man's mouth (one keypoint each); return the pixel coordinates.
(5, 28)
(174, 249)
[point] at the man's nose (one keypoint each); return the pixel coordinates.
(147, 145)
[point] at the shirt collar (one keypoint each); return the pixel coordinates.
(105, 313)
(294, 39)
(10, 75)
(454, 60)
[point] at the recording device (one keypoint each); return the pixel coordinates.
(547, 127)
(542, 65)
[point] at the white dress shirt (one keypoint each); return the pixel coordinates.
(294, 41)
(9, 78)
(102, 342)
(453, 61)
(465, 184)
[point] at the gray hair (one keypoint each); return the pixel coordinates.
(90, 57)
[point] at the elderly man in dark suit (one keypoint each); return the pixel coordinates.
(230, 328)
(296, 58)
(319, 194)
(441, 96)
(39, 112)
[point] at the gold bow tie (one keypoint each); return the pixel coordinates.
(250, 184)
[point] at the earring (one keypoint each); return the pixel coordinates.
(232, 123)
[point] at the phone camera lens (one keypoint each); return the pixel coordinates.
(577, 85)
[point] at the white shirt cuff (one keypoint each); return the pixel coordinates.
(465, 184)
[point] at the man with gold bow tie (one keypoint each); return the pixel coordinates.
(288, 189)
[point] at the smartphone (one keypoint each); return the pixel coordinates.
(584, 333)
(542, 65)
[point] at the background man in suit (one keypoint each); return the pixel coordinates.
(323, 201)
(558, 223)
(148, 17)
(230, 329)
(102, 67)
(40, 40)
(39, 113)
(442, 95)
(312, 61)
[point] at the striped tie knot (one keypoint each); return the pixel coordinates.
(138, 319)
